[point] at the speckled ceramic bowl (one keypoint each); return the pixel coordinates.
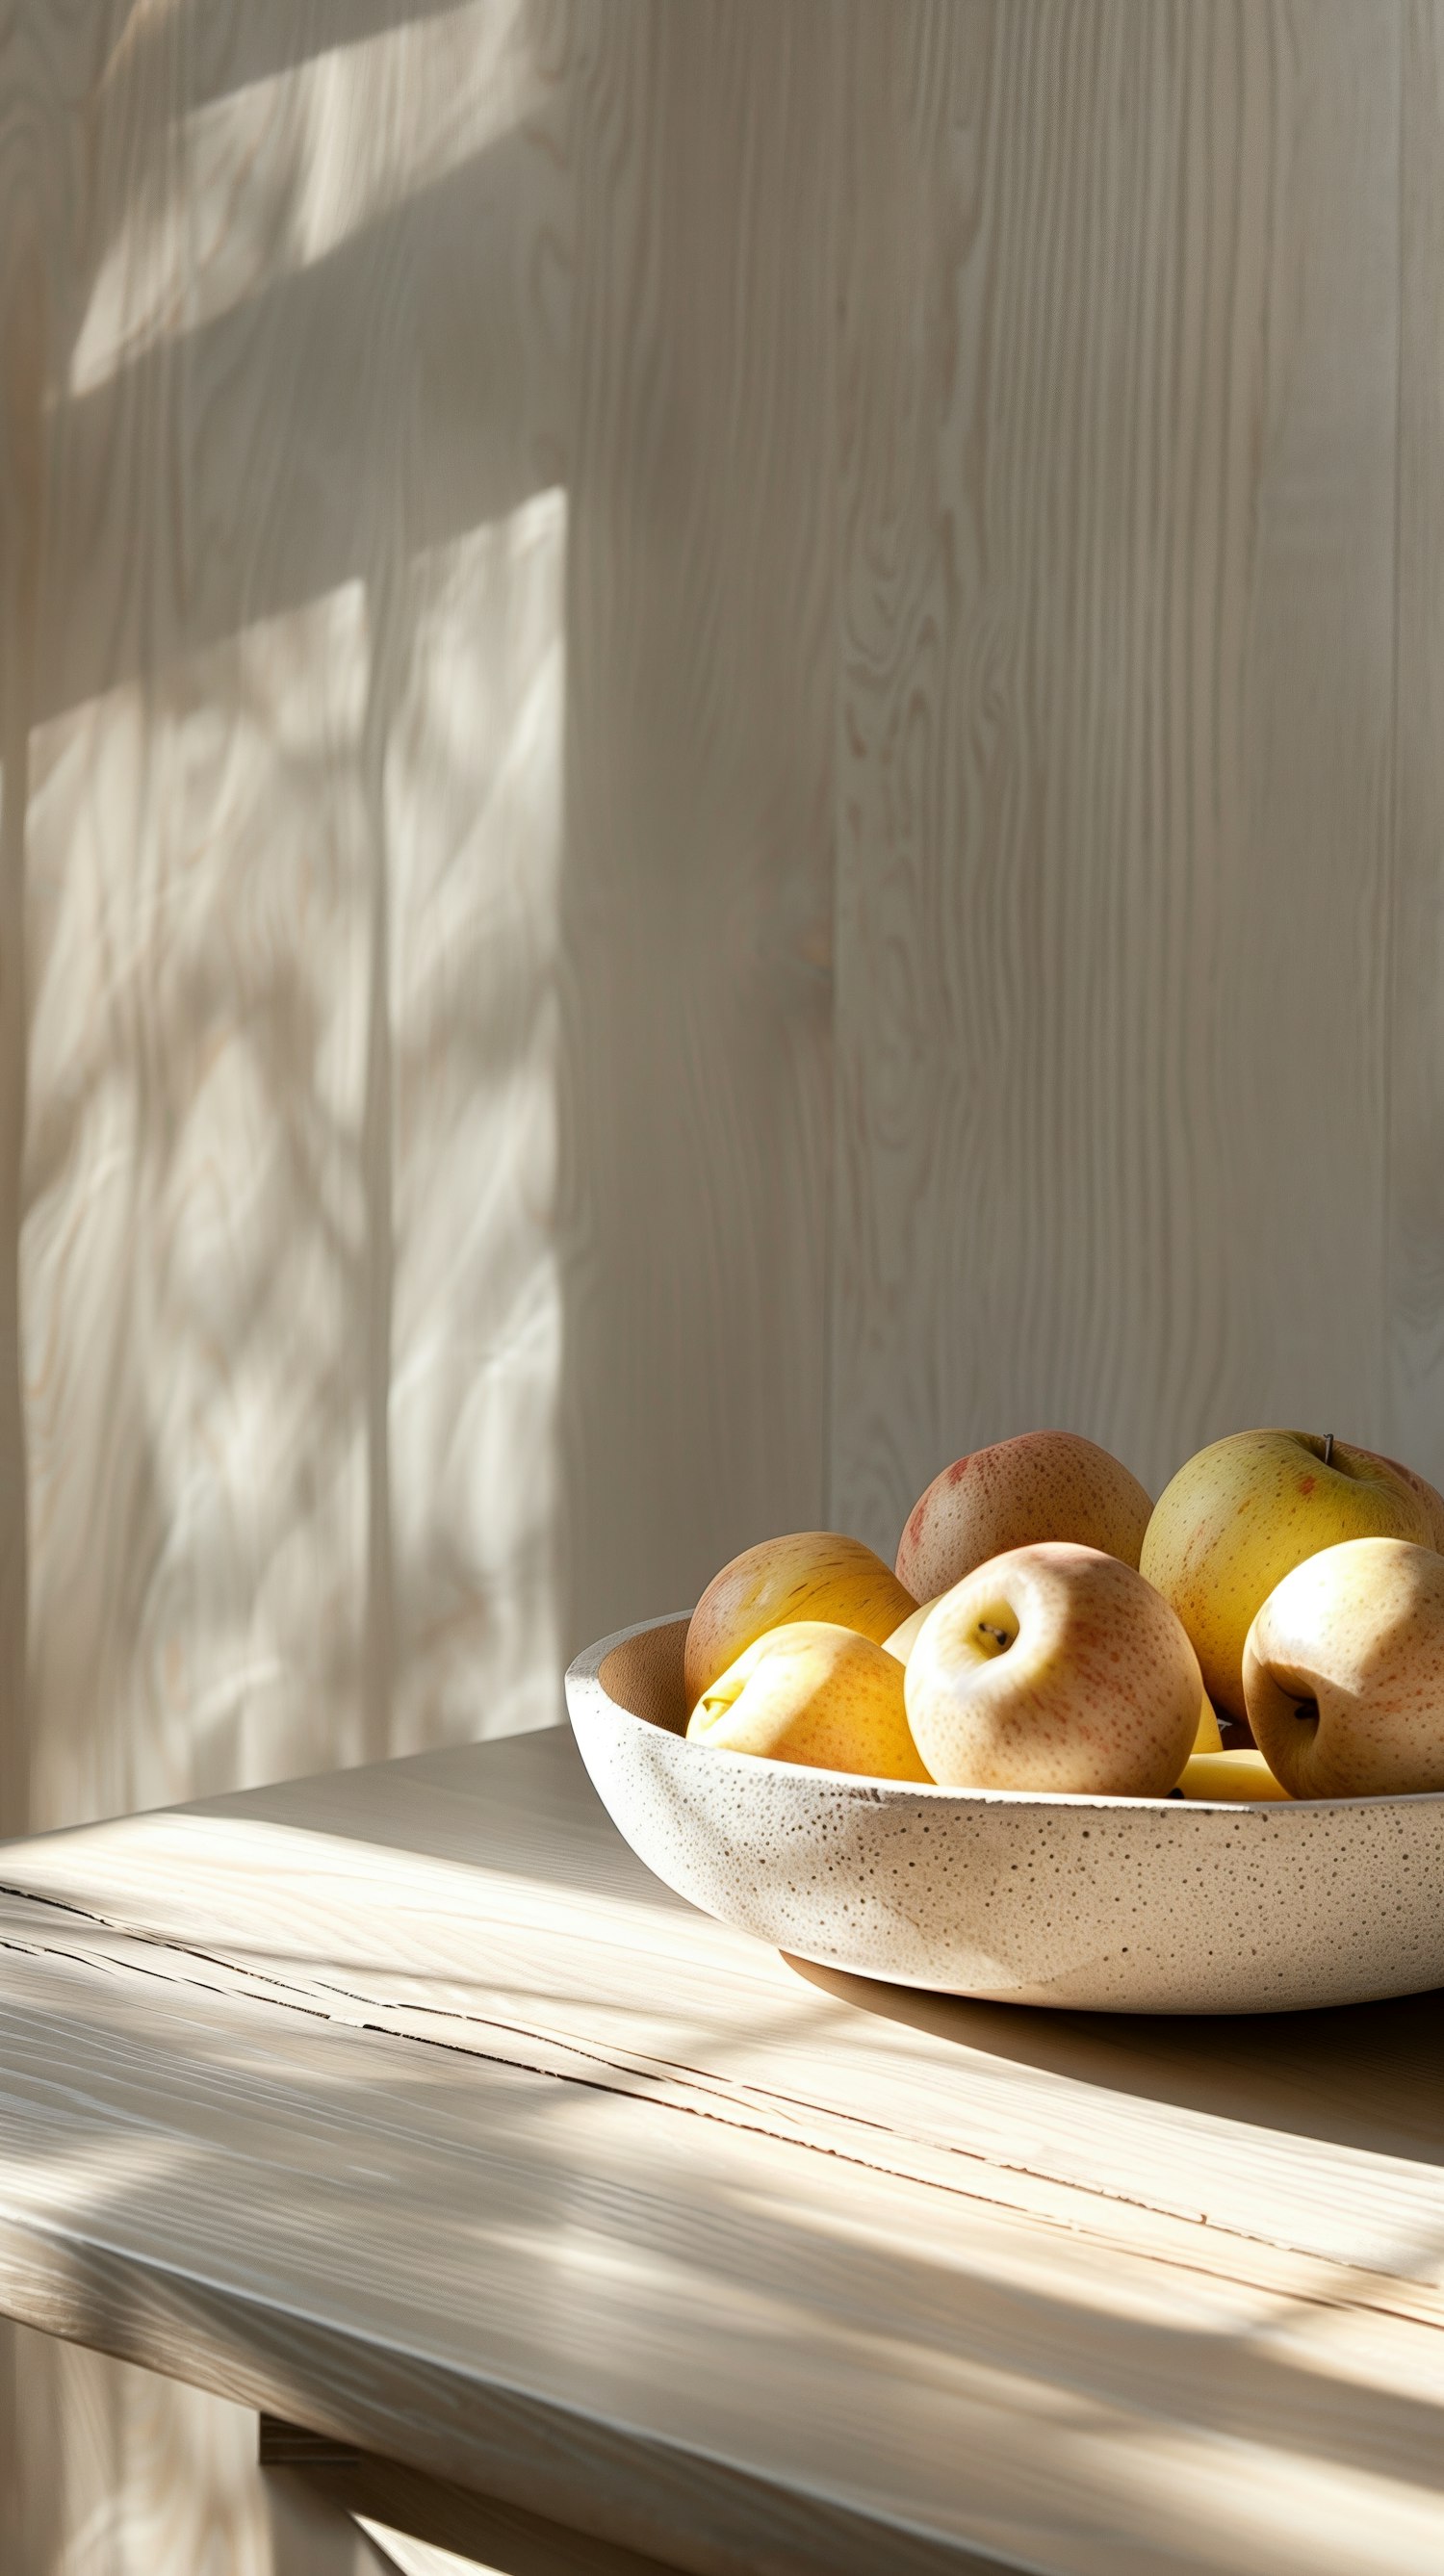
(1099, 1904)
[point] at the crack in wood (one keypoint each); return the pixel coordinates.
(615, 2075)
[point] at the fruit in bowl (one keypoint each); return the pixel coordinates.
(809, 1574)
(1189, 1904)
(816, 1693)
(1054, 1668)
(1238, 1778)
(1017, 1788)
(1242, 1513)
(1344, 1672)
(1207, 1738)
(1430, 1499)
(1041, 1485)
(903, 1639)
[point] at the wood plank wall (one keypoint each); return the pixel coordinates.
(720, 768)
(1121, 859)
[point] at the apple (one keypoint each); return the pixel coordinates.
(1054, 1668)
(903, 1639)
(1241, 1514)
(1429, 1496)
(812, 1574)
(817, 1693)
(1207, 1738)
(1230, 1779)
(1043, 1485)
(1344, 1672)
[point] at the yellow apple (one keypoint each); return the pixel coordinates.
(1242, 1513)
(812, 1574)
(1054, 1668)
(814, 1693)
(1429, 1496)
(1208, 1739)
(1344, 1672)
(1230, 1779)
(1043, 1485)
(903, 1639)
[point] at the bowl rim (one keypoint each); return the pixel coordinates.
(585, 1671)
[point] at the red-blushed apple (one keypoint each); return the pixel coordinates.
(1042, 1485)
(1207, 1739)
(1344, 1672)
(1054, 1668)
(812, 1693)
(1239, 1515)
(811, 1574)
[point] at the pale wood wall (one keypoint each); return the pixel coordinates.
(720, 767)
(1139, 792)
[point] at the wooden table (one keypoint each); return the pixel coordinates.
(404, 2106)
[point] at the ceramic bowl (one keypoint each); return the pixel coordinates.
(1102, 1904)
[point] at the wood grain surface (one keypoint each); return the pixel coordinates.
(410, 2105)
(286, 316)
(428, 2527)
(719, 769)
(1117, 872)
(426, 879)
(1416, 1094)
(405, 2103)
(696, 1070)
(291, 905)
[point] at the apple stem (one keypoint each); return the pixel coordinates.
(1328, 1448)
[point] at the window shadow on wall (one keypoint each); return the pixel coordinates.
(427, 871)
(294, 682)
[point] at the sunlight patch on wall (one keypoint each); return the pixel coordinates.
(197, 913)
(275, 175)
(474, 828)
(217, 1242)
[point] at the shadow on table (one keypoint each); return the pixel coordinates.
(1367, 2076)
(496, 2274)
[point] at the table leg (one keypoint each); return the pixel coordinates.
(397, 2506)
